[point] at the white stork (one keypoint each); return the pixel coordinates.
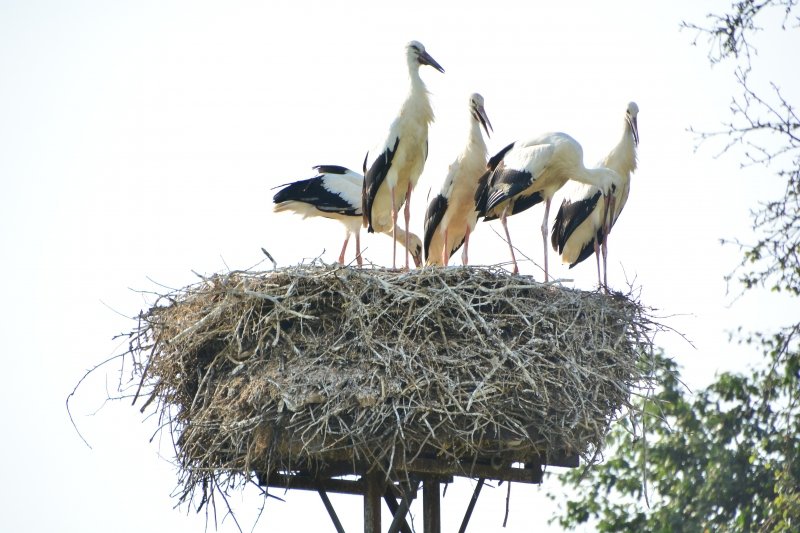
(525, 173)
(580, 227)
(335, 192)
(392, 170)
(451, 216)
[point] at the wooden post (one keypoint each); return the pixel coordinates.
(331, 511)
(471, 506)
(399, 514)
(431, 508)
(372, 501)
(392, 504)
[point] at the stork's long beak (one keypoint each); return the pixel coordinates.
(426, 59)
(483, 118)
(634, 128)
(417, 257)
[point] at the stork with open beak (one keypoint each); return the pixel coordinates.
(391, 170)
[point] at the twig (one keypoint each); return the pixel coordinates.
(75, 390)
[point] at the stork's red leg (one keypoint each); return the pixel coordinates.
(344, 247)
(508, 238)
(607, 222)
(358, 249)
(445, 250)
(605, 262)
(394, 228)
(466, 247)
(407, 213)
(544, 236)
(597, 257)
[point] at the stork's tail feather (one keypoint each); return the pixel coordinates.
(280, 207)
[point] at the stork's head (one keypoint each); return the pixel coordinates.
(415, 249)
(479, 113)
(630, 117)
(418, 56)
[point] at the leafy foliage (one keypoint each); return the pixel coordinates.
(724, 459)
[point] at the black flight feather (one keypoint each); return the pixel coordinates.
(373, 178)
(481, 193)
(571, 215)
(433, 217)
(498, 157)
(331, 169)
(505, 183)
(520, 204)
(312, 191)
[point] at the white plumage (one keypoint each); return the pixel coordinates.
(528, 172)
(393, 168)
(451, 215)
(580, 227)
(335, 193)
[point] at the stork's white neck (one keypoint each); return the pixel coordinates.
(417, 102)
(400, 235)
(601, 177)
(475, 150)
(622, 158)
(476, 136)
(413, 72)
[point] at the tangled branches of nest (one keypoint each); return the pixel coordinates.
(265, 371)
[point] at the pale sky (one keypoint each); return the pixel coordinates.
(140, 141)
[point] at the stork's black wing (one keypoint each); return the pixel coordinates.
(570, 215)
(373, 178)
(433, 217)
(313, 191)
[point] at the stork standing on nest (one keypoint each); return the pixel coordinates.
(584, 219)
(525, 173)
(392, 169)
(451, 216)
(336, 193)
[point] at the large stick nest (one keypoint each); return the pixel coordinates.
(301, 366)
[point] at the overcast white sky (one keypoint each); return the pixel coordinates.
(139, 141)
